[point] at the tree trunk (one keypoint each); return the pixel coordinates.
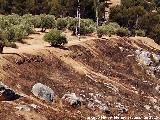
(1, 49)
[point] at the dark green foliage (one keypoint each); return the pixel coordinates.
(123, 32)
(108, 29)
(140, 33)
(47, 22)
(2, 38)
(55, 38)
(87, 26)
(138, 15)
(62, 23)
(127, 17)
(72, 22)
(14, 28)
(59, 8)
(10, 44)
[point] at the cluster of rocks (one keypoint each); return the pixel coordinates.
(151, 60)
(27, 107)
(121, 108)
(93, 101)
(45, 93)
(154, 104)
(72, 100)
(37, 58)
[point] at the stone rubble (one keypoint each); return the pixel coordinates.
(72, 99)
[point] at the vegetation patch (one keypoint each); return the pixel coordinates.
(55, 38)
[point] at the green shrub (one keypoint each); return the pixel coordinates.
(55, 38)
(72, 23)
(13, 19)
(2, 39)
(47, 22)
(16, 33)
(36, 21)
(4, 23)
(62, 23)
(10, 44)
(2, 35)
(140, 33)
(28, 27)
(87, 26)
(108, 29)
(123, 32)
(100, 31)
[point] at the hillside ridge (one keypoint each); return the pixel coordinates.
(105, 73)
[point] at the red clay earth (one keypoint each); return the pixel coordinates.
(101, 71)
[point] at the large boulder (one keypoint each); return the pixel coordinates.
(43, 92)
(7, 94)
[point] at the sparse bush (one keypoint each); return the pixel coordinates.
(28, 27)
(4, 23)
(140, 33)
(100, 31)
(13, 19)
(36, 21)
(16, 32)
(108, 29)
(2, 35)
(123, 32)
(55, 38)
(62, 23)
(72, 23)
(47, 22)
(87, 30)
(87, 26)
(2, 39)
(10, 44)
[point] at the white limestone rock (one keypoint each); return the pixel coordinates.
(43, 92)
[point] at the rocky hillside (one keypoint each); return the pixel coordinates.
(98, 78)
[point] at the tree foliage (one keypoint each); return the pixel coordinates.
(55, 38)
(59, 8)
(138, 15)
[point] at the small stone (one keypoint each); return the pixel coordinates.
(157, 88)
(153, 100)
(156, 58)
(73, 100)
(121, 108)
(147, 107)
(26, 107)
(23, 108)
(157, 108)
(104, 108)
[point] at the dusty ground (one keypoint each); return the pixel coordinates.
(98, 70)
(115, 2)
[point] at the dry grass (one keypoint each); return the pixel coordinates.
(92, 65)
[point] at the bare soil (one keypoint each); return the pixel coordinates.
(82, 67)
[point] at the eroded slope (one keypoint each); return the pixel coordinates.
(105, 73)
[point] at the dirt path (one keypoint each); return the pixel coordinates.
(115, 2)
(35, 42)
